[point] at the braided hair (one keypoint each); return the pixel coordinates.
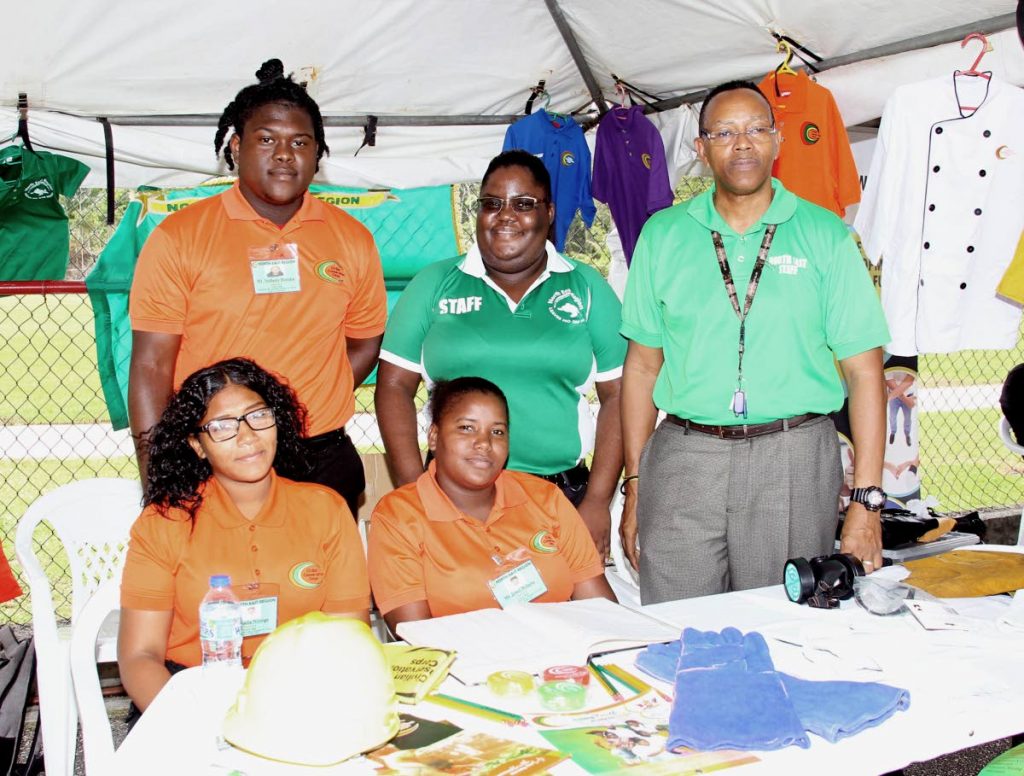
(176, 473)
(274, 86)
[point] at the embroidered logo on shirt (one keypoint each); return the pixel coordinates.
(786, 264)
(459, 305)
(568, 159)
(330, 271)
(810, 133)
(40, 189)
(544, 542)
(307, 575)
(646, 159)
(1004, 152)
(566, 306)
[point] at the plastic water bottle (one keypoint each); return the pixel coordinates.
(220, 624)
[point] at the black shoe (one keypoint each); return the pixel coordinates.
(892, 437)
(908, 440)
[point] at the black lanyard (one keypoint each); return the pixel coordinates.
(739, 406)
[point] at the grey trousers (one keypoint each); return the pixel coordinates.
(716, 515)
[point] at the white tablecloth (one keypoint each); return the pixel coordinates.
(967, 687)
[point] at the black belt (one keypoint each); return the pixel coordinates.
(744, 431)
(327, 437)
(570, 478)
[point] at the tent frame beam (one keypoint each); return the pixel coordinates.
(987, 26)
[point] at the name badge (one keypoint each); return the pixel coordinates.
(275, 268)
(259, 616)
(519, 585)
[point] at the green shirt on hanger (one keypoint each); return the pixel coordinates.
(34, 241)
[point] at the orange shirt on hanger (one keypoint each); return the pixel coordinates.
(815, 161)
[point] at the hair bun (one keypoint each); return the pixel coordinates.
(270, 70)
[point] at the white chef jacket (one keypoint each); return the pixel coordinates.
(944, 206)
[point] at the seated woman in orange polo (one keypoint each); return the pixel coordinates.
(469, 535)
(219, 502)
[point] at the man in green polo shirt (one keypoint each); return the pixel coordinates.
(736, 306)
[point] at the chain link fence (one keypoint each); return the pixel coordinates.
(54, 426)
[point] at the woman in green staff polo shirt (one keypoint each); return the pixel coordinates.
(541, 326)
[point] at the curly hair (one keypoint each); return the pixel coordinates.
(446, 392)
(274, 86)
(176, 473)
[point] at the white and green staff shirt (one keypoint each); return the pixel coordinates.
(545, 352)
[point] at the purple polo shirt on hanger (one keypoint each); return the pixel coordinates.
(630, 174)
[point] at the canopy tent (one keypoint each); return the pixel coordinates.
(445, 77)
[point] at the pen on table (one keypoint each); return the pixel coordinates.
(476, 709)
(599, 675)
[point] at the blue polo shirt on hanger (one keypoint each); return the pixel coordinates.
(559, 142)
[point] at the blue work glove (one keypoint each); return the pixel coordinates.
(729, 696)
(660, 660)
(835, 710)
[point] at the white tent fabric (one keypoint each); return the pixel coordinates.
(412, 58)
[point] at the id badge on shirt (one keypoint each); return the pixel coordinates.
(519, 585)
(259, 608)
(275, 268)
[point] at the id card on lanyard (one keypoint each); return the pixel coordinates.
(275, 268)
(738, 404)
(518, 581)
(259, 607)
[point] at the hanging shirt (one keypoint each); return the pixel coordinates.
(559, 142)
(943, 207)
(630, 174)
(815, 161)
(34, 241)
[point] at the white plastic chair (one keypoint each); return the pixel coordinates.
(1006, 435)
(92, 519)
(97, 740)
(622, 578)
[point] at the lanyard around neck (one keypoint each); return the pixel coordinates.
(730, 286)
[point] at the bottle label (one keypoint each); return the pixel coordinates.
(219, 629)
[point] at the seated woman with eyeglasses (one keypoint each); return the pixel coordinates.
(219, 502)
(515, 311)
(469, 535)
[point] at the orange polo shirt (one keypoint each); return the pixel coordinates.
(815, 161)
(194, 278)
(422, 548)
(303, 547)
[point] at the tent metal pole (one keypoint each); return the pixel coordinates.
(986, 26)
(577, 55)
(211, 119)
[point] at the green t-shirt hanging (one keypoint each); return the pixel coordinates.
(34, 240)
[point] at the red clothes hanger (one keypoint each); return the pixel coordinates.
(985, 48)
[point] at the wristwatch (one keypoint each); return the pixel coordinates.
(872, 498)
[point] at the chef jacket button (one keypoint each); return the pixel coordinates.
(986, 133)
(938, 130)
(927, 245)
(977, 211)
(935, 168)
(963, 286)
(982, 173)
(922, 281)
(931, 208)
(970, 249)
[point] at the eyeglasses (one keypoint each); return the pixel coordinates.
(223, 429)
(518, 204)
(727, 136)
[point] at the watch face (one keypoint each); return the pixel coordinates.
(876, 498)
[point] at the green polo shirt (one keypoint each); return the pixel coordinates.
(33, 226)
(814, 302)
(545, 352)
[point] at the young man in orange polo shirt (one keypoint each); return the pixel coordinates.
(264, 271)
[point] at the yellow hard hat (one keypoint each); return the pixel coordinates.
(318, 691)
